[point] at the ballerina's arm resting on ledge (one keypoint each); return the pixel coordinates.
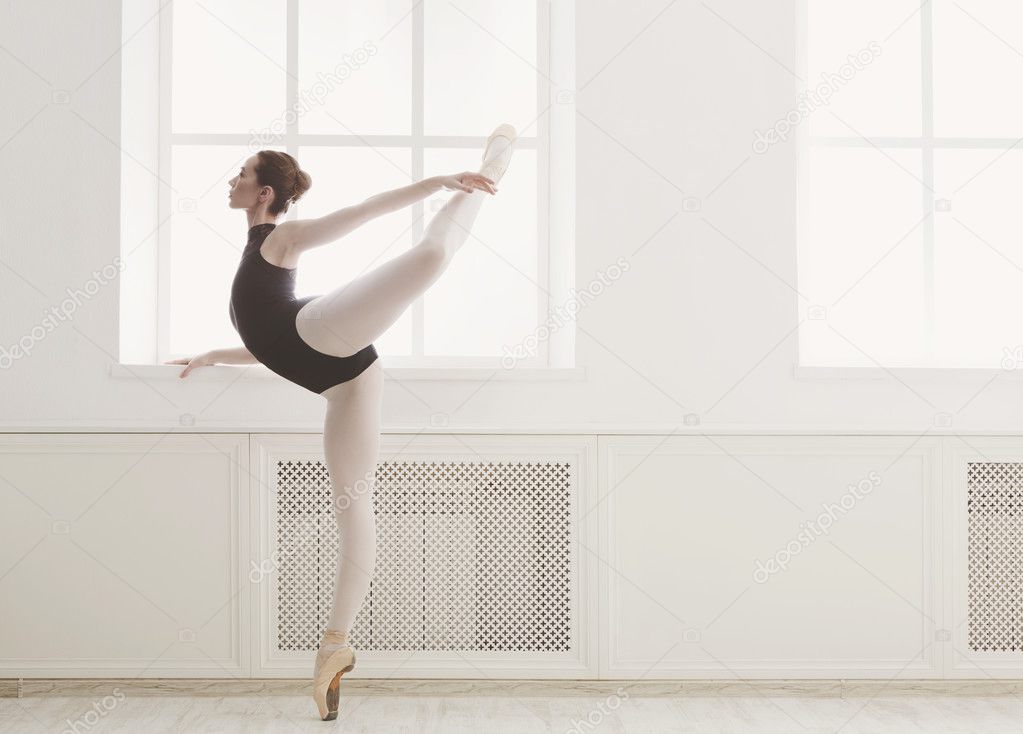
(304, 234)
(234, 355)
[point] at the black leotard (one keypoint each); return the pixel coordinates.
(263, 308)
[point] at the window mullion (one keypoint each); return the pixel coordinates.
(291, 87)
(927, 192)
(546, 95)
(417, 160)
(164, 205)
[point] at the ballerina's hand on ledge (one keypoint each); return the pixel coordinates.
(236, 355)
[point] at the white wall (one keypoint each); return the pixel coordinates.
(700, 324)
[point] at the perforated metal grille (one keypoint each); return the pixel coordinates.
(995, 556)
(470, 556)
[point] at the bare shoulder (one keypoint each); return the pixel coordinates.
(295, 236)
(283, 235)
(277, 249)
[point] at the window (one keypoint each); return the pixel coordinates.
(909, 175)
(368, 97)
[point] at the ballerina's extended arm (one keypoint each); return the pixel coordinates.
(304, 234)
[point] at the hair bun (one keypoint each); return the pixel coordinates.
(302, 184)
(281, 172)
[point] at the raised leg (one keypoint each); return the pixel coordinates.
(351, 317)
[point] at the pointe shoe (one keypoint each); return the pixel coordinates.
(334, 658)
(499, 164)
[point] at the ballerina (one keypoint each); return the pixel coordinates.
(325, 343)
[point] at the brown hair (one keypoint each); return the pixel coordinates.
(281, 172)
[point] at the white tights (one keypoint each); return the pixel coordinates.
(351, 445)
(341, 323)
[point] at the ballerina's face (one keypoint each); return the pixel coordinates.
(245, 190)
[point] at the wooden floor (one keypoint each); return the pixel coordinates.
(480, 714)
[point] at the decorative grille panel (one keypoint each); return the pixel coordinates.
(995, 556)
(471, 556)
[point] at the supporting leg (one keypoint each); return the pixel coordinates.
(351, 443)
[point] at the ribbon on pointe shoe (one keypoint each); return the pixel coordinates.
(336, 637)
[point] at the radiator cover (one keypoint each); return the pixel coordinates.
(995, 556)
(471, 556)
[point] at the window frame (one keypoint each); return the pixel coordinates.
(926, 143)
(553, 141)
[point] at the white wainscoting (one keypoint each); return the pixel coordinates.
(124, 555)
(132, 555)
(684, 520)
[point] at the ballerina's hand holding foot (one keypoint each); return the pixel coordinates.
(468, 182)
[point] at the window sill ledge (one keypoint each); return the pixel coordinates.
(258, 372)
(929, 374)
